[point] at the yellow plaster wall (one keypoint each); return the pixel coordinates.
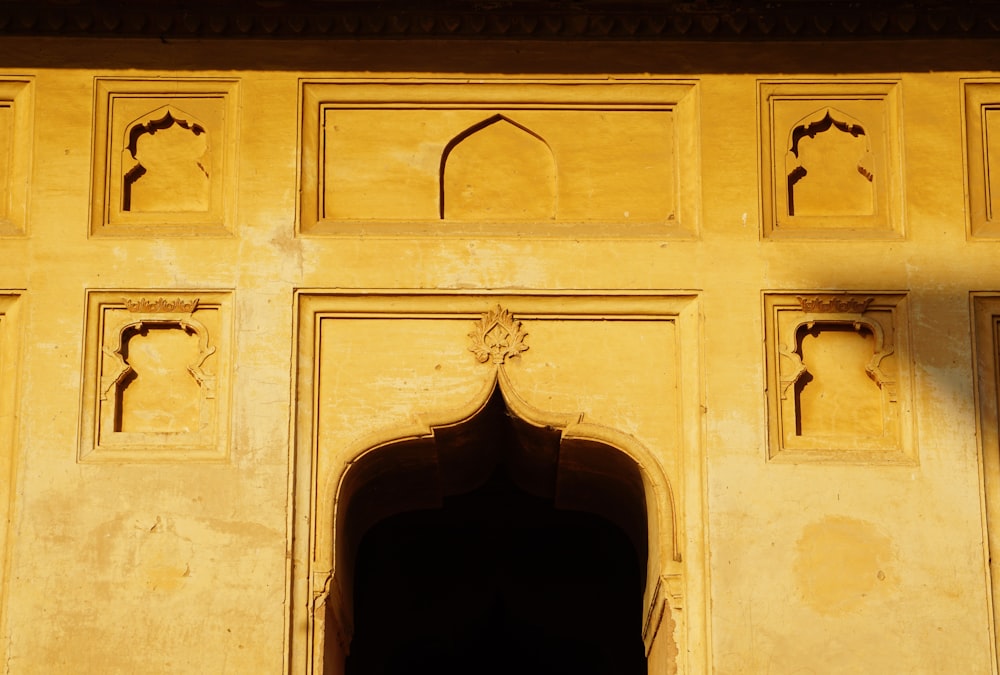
(182, 564)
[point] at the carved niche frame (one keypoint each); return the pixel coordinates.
(486, 338)
(883, 316)
(125, 109)
(116, 317)
(484, 101)
(791, 109)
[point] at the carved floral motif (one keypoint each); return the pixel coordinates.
(497, 336)
(160, 305)
(839, 304)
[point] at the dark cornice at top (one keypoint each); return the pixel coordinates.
(641, 20)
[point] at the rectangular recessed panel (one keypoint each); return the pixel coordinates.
(838, 377)
(16, 140)
(991, 161)
(982, 152)
(6, 143)
(156, 376)
(435, 164)
(506, 157)
(165, 157)
(830, 152)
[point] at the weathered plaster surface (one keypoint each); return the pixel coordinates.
(184, 562)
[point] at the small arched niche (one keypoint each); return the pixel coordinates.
(166, 163)
(830, 166)
(838, 393)
(498, 169)
(446, 526)
(159, 393)
(156, 377)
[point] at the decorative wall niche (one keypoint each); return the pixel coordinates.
(982, 139)
(838, 377)
(15, 154)
(497, 168)
(499, 157)
(156, 376)
(165, 154)
(831, 159)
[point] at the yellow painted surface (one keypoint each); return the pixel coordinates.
(636, 222)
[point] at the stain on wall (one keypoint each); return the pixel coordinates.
(841, 561)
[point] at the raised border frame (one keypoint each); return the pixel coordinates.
(680, 97)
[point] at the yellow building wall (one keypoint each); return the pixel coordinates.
(833, 525)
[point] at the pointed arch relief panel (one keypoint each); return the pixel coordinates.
(156, 376)
(498, 169)
(839, 377)
(165, 157)
(499, 157)
(398, 395)
(831, 159)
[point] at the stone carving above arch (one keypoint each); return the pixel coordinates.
(831, 159)
(454, 411)
(839, 377)
(156, 376)
(165, 157)
(497, 337)
(498, 169)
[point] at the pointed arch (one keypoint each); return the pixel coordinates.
(414, 466)
(174, 176)
(162, 118)
(840, 180)
(497, 169)
(820, 121)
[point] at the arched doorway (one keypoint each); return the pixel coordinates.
(532, 561)
(497, 581)
(609, 443)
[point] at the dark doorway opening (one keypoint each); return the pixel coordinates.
(497, 581)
